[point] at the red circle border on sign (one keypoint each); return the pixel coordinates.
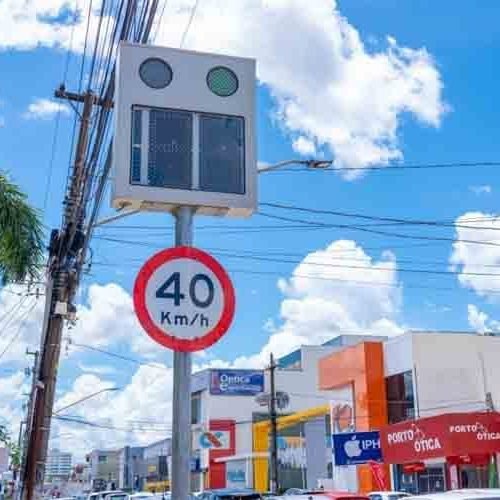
(163, 338)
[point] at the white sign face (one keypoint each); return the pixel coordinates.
(184, 131)
(184, 299)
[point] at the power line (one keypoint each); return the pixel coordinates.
(394, 168)
(382, 233)
(18, 332)
(118, 356)
(393, 220)
(191, 17)
(160, 20)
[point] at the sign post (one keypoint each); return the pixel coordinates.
(181, 418)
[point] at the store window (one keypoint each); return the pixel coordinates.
(400, 397)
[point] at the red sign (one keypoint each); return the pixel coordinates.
(379, 474)
(184, 299)
(452, 434)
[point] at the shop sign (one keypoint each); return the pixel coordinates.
(215, 440)
(236, 382)
(447, 435)
(352, 448)
(236, 476)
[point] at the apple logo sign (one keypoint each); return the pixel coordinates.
(352, 448)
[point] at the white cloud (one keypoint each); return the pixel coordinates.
(97, 369)
(481, 260)
(322, 301)
(47, 23)
(477, 319)
(304, 146)
(139, 413)
(327, 87)
(45, 109)
(108, 318)
(11, 397)
(482, 189)
(480, 321)
(2, 122)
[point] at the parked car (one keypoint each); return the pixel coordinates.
(387, 495)
(469, 494)
(327, 495)
(300, 491)
(141, 495)
(102, 495)
(229, 494)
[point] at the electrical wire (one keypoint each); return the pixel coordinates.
(393, 220)
(383, 233)
(118, 356)
(392, 168)
(165, 3)
(191, 17)
(19, 330)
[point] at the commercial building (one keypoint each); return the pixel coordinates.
(59, 465)
(131, 469)
(351, 383)
(225, 410)
(156, 458)
(104, 469)
(413, 376)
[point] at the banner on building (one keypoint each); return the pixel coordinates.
(236, 382)
(448, 435)
(351, 448)
(379, 474)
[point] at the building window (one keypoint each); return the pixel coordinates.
(103, 459)
(196, 408)
(400, 397)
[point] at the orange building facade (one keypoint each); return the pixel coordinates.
(360, 367)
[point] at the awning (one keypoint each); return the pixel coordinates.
(451, 434)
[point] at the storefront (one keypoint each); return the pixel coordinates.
(449, 451)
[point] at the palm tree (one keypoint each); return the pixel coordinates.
(21, 235)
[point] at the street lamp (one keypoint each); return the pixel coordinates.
(107, 389)
(311, 163)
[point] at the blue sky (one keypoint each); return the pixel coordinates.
(452, 118)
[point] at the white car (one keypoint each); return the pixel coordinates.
(469, 494)
(141, 495)
(387, 495)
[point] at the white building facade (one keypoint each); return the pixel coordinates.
(59, 465)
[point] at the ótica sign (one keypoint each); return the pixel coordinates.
(184, 299)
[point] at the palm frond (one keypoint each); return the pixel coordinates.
(21, 235)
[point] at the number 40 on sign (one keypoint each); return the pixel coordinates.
(184, 299)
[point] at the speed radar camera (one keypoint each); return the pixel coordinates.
(184, 131)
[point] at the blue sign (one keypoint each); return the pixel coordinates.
(351, 448)
(236, 382)
(236, 476)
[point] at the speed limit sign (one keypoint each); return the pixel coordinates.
(184, 299)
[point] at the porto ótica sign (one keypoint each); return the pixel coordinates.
(184, 299)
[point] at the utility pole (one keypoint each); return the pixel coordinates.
(62, 281)
(274, 427)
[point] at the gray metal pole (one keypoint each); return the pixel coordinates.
(274, 483)
(181, 422)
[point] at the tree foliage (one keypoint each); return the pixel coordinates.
(21, 235)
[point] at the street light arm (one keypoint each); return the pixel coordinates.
(312, 163)
(108, 389)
